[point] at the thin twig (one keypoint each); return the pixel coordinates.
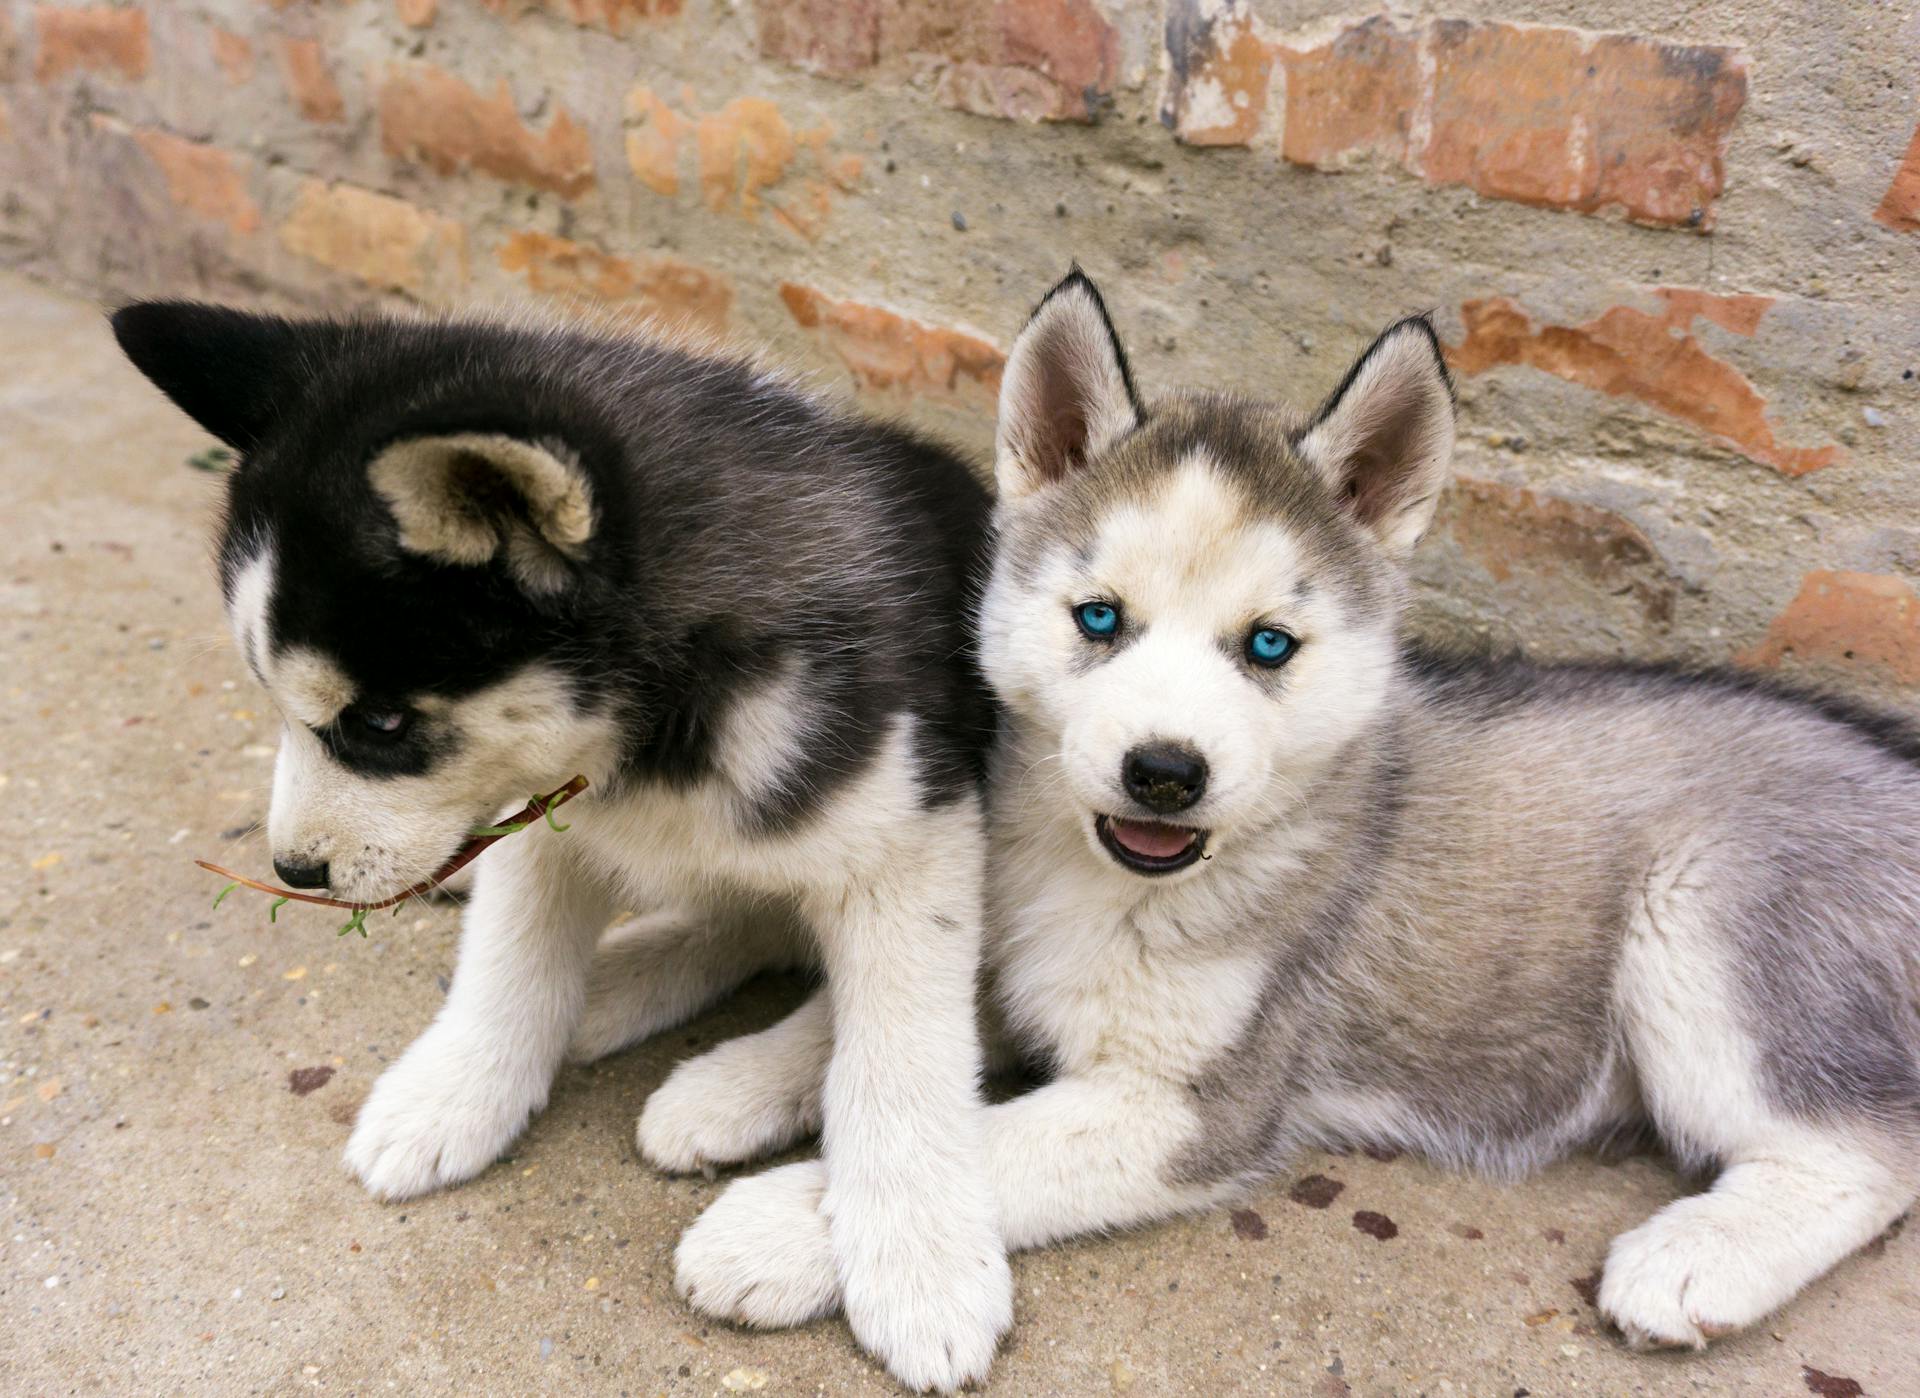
(520, 820)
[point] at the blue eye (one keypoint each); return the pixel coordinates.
(1270, 648)
(1099, 620)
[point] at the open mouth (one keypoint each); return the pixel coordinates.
(1147, 846)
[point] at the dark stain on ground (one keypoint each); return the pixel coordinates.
(1315, 1191)
(1554, 1235)
(1467, 1231)
(1830, 1385)
(1376, 1225)
(1248, 1224)
(1588, 1287)
(301, 1081)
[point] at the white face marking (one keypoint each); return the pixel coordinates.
(252, 593)
(1194, 572)
(379, 835)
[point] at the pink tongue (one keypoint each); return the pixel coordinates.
(1150, 840)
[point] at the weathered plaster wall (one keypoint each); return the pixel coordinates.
(1673, 251)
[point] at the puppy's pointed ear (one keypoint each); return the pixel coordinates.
(228, 370)
(1067, 393)
(464, 497)
(1384, 439)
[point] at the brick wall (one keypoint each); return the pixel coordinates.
(1673, 251)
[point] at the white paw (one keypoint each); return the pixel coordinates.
(727, 1106)
(760, 1254)
(1681, 1279)
(927, 1290)
(439, 1116)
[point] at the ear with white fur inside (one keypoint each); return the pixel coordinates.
(461, 498)
(1067, 393)
(1384, 439)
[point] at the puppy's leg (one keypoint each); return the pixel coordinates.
(750, 1097)
(1774, 1221)
(1080, 1155)
(908, 1210)
(1796, 1194)
(658, 970)
(457, 1098)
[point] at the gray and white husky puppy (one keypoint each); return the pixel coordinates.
(1265, 877)
(468, 559)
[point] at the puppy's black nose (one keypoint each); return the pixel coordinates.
(300, 875)
(1164, 777)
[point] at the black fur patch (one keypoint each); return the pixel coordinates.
(740, 526)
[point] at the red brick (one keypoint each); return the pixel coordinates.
(889, 353)
(314, 91)
(1866, 621)
(1558, 117)
(1630, 354)
(1355, 93)
(614, 16)
(1533, 113)
(95, 39)
(662, 289)
(1900, 209)
(233, 53)
(748, 156)
(1030, 59)
(428, 114)
(206, 181)
(385, 242)
(1509, 530)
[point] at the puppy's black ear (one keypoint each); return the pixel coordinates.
(1067, 393)
(1384, 439)
(228, 370)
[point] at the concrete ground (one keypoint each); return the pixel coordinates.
(178, 1082)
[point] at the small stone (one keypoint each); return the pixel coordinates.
(1873, 417)
(591, 1284)
(249, 959)
(546, 1349)
(959, 222)
(196, 1003)
(279, 1293)
(44, 1150)
(1569, 1351)
(1123, 1375)
(744, 1380)
(157, 643)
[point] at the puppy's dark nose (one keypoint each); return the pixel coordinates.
(300, 875)
(1164, 777)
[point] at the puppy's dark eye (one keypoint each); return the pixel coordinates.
(385, 723)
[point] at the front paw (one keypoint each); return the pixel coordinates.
(928, 1294)
(439, 1116)
(761, 1255)
(727, 1106)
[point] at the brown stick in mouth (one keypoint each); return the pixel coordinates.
(538, 807)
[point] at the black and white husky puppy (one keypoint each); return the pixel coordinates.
(1263, 877)
(469, 559)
